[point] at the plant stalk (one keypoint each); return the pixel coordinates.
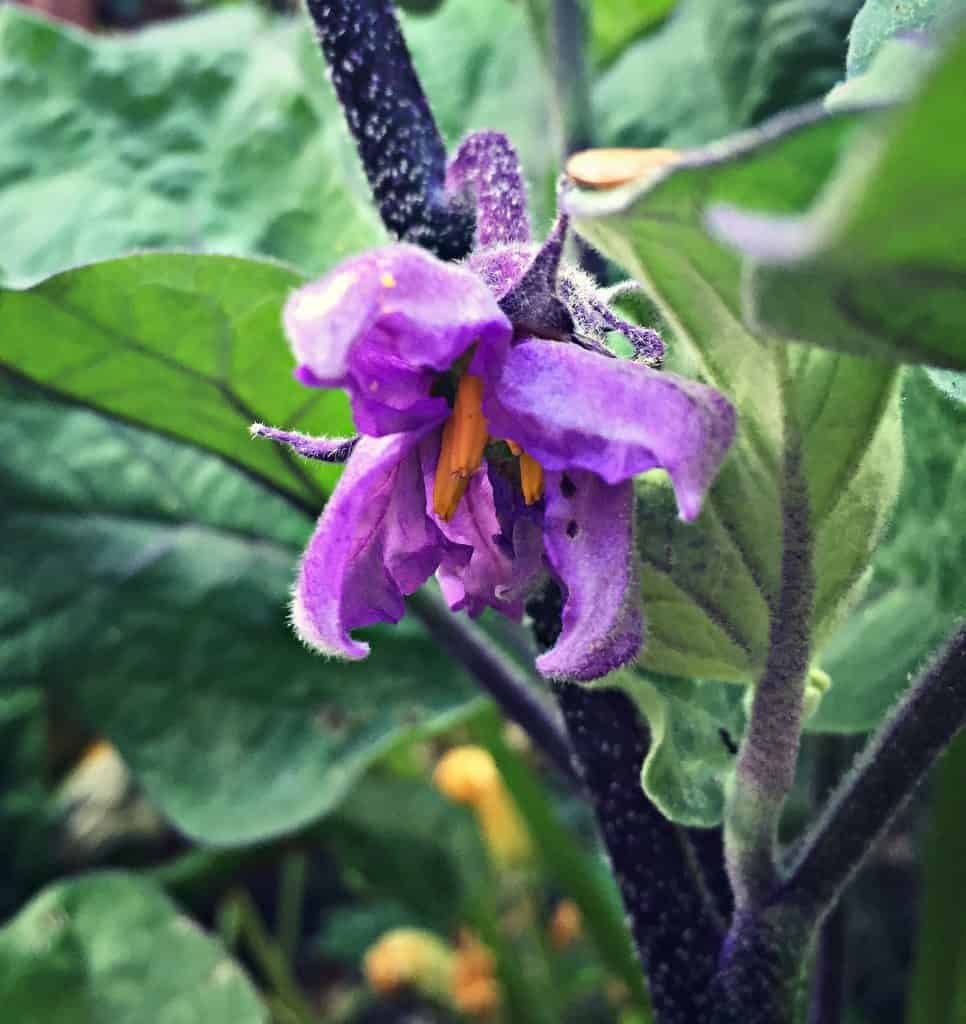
(884, 777)
(765, 768)
(508, 685)
(399, 143)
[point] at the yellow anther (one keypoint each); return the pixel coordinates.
(531, 478)
(448, 488)
(387, 281)
(470, 435)
(461, 451)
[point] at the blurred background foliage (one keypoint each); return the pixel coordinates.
(271, 842)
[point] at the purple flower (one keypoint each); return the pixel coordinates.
(499, 434)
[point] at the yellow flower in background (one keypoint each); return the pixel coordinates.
(410, 958)
(565, 925)
(463, 978)
(476, 992)
(468, 775)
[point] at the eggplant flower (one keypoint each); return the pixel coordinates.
(500, 436)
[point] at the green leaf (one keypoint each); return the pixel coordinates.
(708, 586)
(770, 55)
(215, 132)
(25, 810)
(694, 727)
(880, 20)
(615, 24)
(112, 947)
(917, 589)
(662, 91)
(220, 133)
(872, 658)
(896, 70)
(877, 266)
(937, 989)
(951, 384)
(146, 584)
(191, 346)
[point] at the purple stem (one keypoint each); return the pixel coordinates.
(884, 777)
(765, 769)
(400, 146)
(675, 928)
(498, 676)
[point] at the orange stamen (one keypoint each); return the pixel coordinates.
(461, 451)
(470, 434)
(531, 478)
(515, 449)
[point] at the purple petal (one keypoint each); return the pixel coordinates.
(325, 449)
(385, 324)
(589, 541)
(572, 409)
(373, 544)
(487, 167)
(475, 569)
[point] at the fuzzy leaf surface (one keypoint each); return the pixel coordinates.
(191, 346)
(219, 133)
(112, 947)
(771, 55)
(146, 585)
(877, 267)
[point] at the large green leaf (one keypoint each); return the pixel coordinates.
(220, 133)
(188, 345)
(774, 54)
(212, 133)
(917, 589)
(877, 267)
(146, 584)
(25, 809)
(662, 91)
(708, 587)
(615, 24)
(112, 947)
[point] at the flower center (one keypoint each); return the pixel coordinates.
(465, 436)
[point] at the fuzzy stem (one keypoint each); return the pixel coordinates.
(765, 769)
(884, 777)
(497, 675)
(675, 931)
(400, 146)
(828, 985)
